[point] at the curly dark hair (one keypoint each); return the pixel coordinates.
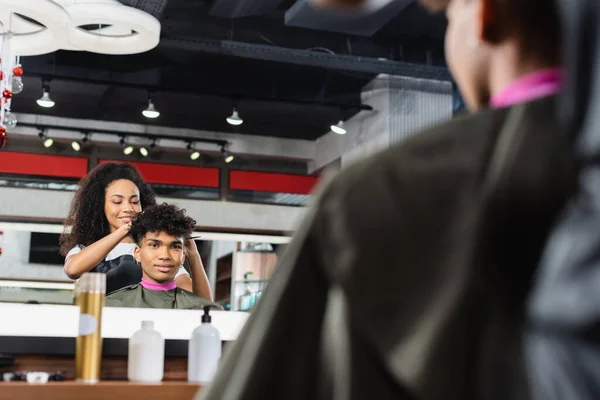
(86, 217)
(166, 218)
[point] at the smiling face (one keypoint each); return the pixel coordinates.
(160, 255)
(121, 203)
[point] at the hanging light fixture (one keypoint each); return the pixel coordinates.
(45, 101)
(194, 154)
(338, 128)
(234, 118)
(47, 141)
(150, 111)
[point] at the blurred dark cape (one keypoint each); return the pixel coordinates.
(408, 279)
(563, 337)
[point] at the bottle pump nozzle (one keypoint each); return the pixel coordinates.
(206, 317)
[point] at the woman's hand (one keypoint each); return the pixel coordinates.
(191, 250)
(200, 285)
(124, 230)
(93, 254)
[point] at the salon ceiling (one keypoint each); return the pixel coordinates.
(287, 81)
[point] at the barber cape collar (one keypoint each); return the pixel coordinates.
(122, 29)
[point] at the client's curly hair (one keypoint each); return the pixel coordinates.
(162, 218)
(86, 216)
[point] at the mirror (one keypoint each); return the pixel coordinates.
(238, 266)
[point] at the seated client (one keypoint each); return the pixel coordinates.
(159, 233)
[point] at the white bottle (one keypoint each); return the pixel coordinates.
(204, 351)
(146, 355)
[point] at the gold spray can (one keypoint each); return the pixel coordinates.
(77, 341)
(90, 296)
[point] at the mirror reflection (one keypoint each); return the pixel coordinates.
(148, 252)
(32, 270)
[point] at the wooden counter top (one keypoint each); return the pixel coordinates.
(70, 390)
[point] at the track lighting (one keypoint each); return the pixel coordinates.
(227, 156)
(47, 141)
(145, 151)
(194, 154)
(127, 148)
(77, 145)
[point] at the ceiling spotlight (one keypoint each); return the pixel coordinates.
(45, 101)
(47, 141)
(339, 128)
(151, 111)
(77, 145)
(127, 148)
(145, 151)
(234, 118)
(194, 154)
(227, 156)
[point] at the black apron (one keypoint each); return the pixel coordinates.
(120, 272)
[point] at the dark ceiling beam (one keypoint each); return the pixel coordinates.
(41, 127)
(151, 82)
(242, 8)
(307, 58)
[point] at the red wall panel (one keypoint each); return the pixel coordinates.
(42, 165)
(271, 182)
(176, 174)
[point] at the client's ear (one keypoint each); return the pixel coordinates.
(136, 254)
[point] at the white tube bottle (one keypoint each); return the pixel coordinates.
(146, 355)
(204, 351)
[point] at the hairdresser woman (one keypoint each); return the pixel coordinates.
(107, 200)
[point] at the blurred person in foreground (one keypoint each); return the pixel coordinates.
(409, 278)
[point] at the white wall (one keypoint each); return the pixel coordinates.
(35, 203)
(14, 261)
